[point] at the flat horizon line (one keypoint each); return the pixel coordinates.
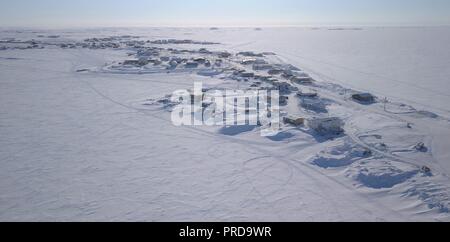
(233, 26)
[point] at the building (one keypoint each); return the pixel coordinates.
(261, 67)
(307, 94)
(301, 80)
(364, 97)
(331, 125)
(191, 65)
(296, 121)
(275, 71)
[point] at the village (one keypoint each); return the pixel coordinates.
(256, 71)
(357, 125)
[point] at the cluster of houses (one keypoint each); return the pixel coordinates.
(179, 42)
(89, 43)
(14, 44)
(113, 42)
(327, 125)
(250, 66)
(49, 36)
(174, 58)
(247, 66)
(324, 126)
(250, 54)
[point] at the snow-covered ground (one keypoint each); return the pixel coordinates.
(86, 137)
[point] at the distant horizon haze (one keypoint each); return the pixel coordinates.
(215, 13)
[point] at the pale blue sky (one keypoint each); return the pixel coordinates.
(96, 13)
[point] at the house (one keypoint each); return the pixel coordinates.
(264, 78)
(425, 169)
(250, 54)
(191, 65)
(296, 121)
(364, 97)
(301, 80)
(224, 55)
(260, 67)
(275, 71)
(204, 51)
(140, 62)
(314, 104)
(287, 75)
(283, 87)
(256, 84)
(178, 60)
(130, 62)
(155, 61)
(421, 147)
(260, 61)
(249, 61)
(247, 74)
(200, 60)
(148, 53)
(269, 79)
(333, 125)
(307, 94)
(165, 58)
(218, 62)
(172, 64)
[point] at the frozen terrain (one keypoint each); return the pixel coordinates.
(86, 135)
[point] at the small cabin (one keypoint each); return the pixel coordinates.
(296, 121)
(172, 64)
(191, 65)
(283, 87)
(165, 58)
(155, 61)
(260, 67)
(333, 125)
(204, 51)
(301, 80)
(249, 61)
(314, 104)
(250, 54)
(307, 94)
(247, 74)
(275, 71)
(224, 55)
(200, 60)
(140, 62)
(364, 97)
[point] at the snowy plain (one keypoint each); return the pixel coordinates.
(79, 142)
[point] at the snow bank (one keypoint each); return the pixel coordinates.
(378, 173)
